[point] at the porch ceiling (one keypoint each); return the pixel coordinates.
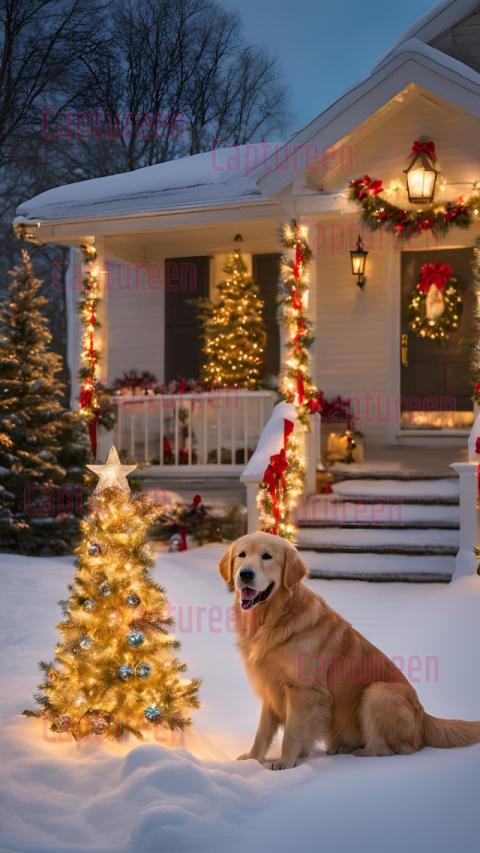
(260, 236)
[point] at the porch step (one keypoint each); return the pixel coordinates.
(426, 491)
(428, 541)
(394, 528)
(379, 567)
(329, 511)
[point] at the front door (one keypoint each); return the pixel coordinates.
(436, 384)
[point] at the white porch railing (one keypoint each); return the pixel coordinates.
(467, 561)
(271, 441)
(206, 431)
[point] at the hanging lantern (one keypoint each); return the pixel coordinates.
(358, 257)
(421, 175)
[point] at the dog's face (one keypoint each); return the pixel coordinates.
(258, 566)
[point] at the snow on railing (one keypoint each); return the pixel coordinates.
(467, 559)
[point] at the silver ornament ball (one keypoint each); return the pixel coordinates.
(143, 670)
(135, 638)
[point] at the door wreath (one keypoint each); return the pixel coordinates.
(435, 304)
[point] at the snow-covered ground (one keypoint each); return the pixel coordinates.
(57, 796)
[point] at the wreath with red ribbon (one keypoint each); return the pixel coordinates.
(435, 305)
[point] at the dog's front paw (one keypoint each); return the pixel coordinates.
(281, 764)
(244, 756)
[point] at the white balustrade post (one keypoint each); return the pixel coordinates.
(466, 561)
(253, 518)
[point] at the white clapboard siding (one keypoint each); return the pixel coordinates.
(136, 321)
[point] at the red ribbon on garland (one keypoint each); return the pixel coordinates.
(427, 148)
(274, 476)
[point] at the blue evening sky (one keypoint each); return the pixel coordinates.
(325, 47)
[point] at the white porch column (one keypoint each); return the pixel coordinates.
(73, 285)
(466, 561)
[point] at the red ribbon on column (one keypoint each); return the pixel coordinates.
(274, 476)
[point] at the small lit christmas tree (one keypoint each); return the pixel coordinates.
(115, 670)
(234, 330)
(42, 444)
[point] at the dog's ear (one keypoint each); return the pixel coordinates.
(226, 568)
(294, 568)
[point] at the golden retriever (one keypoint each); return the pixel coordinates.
(316, 676)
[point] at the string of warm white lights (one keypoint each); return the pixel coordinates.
(89, 402)
(283, 481)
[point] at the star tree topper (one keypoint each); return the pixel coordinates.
(112, 475)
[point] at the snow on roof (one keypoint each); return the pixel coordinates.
(221, 176)
(433, 23)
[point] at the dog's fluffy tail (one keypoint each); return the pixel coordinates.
(445, 734)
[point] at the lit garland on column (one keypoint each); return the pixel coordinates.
(476, 320)
(297, 386)
(89, 402)
(283, 480)
(281, 488)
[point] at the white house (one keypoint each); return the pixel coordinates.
(162, 234)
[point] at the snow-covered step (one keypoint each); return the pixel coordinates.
(379, 540)
(440, 491)
(379, 567)
(329, 511)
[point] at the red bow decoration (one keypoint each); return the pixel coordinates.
(367, 186)
(437, 274)
(427, 148)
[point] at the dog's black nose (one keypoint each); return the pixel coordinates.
(247, 575)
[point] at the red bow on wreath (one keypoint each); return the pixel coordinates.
(437, 274)
(427, 148)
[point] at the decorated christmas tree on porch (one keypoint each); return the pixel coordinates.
(115, 669)
(234, 330)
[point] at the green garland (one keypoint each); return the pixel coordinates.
(377, 212)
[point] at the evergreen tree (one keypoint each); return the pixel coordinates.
(115, 668)
(42, 444)
(234, 330)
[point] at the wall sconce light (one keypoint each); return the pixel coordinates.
(421, 174)
(358, 257)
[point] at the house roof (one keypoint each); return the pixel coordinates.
(252, 174)
(221, 176)
(431, 25)
(411, 62)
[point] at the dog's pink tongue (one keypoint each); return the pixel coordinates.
(247, 593)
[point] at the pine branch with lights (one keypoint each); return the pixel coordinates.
(115, 669)
(41, 442)
(297, 385)
(234, 330)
